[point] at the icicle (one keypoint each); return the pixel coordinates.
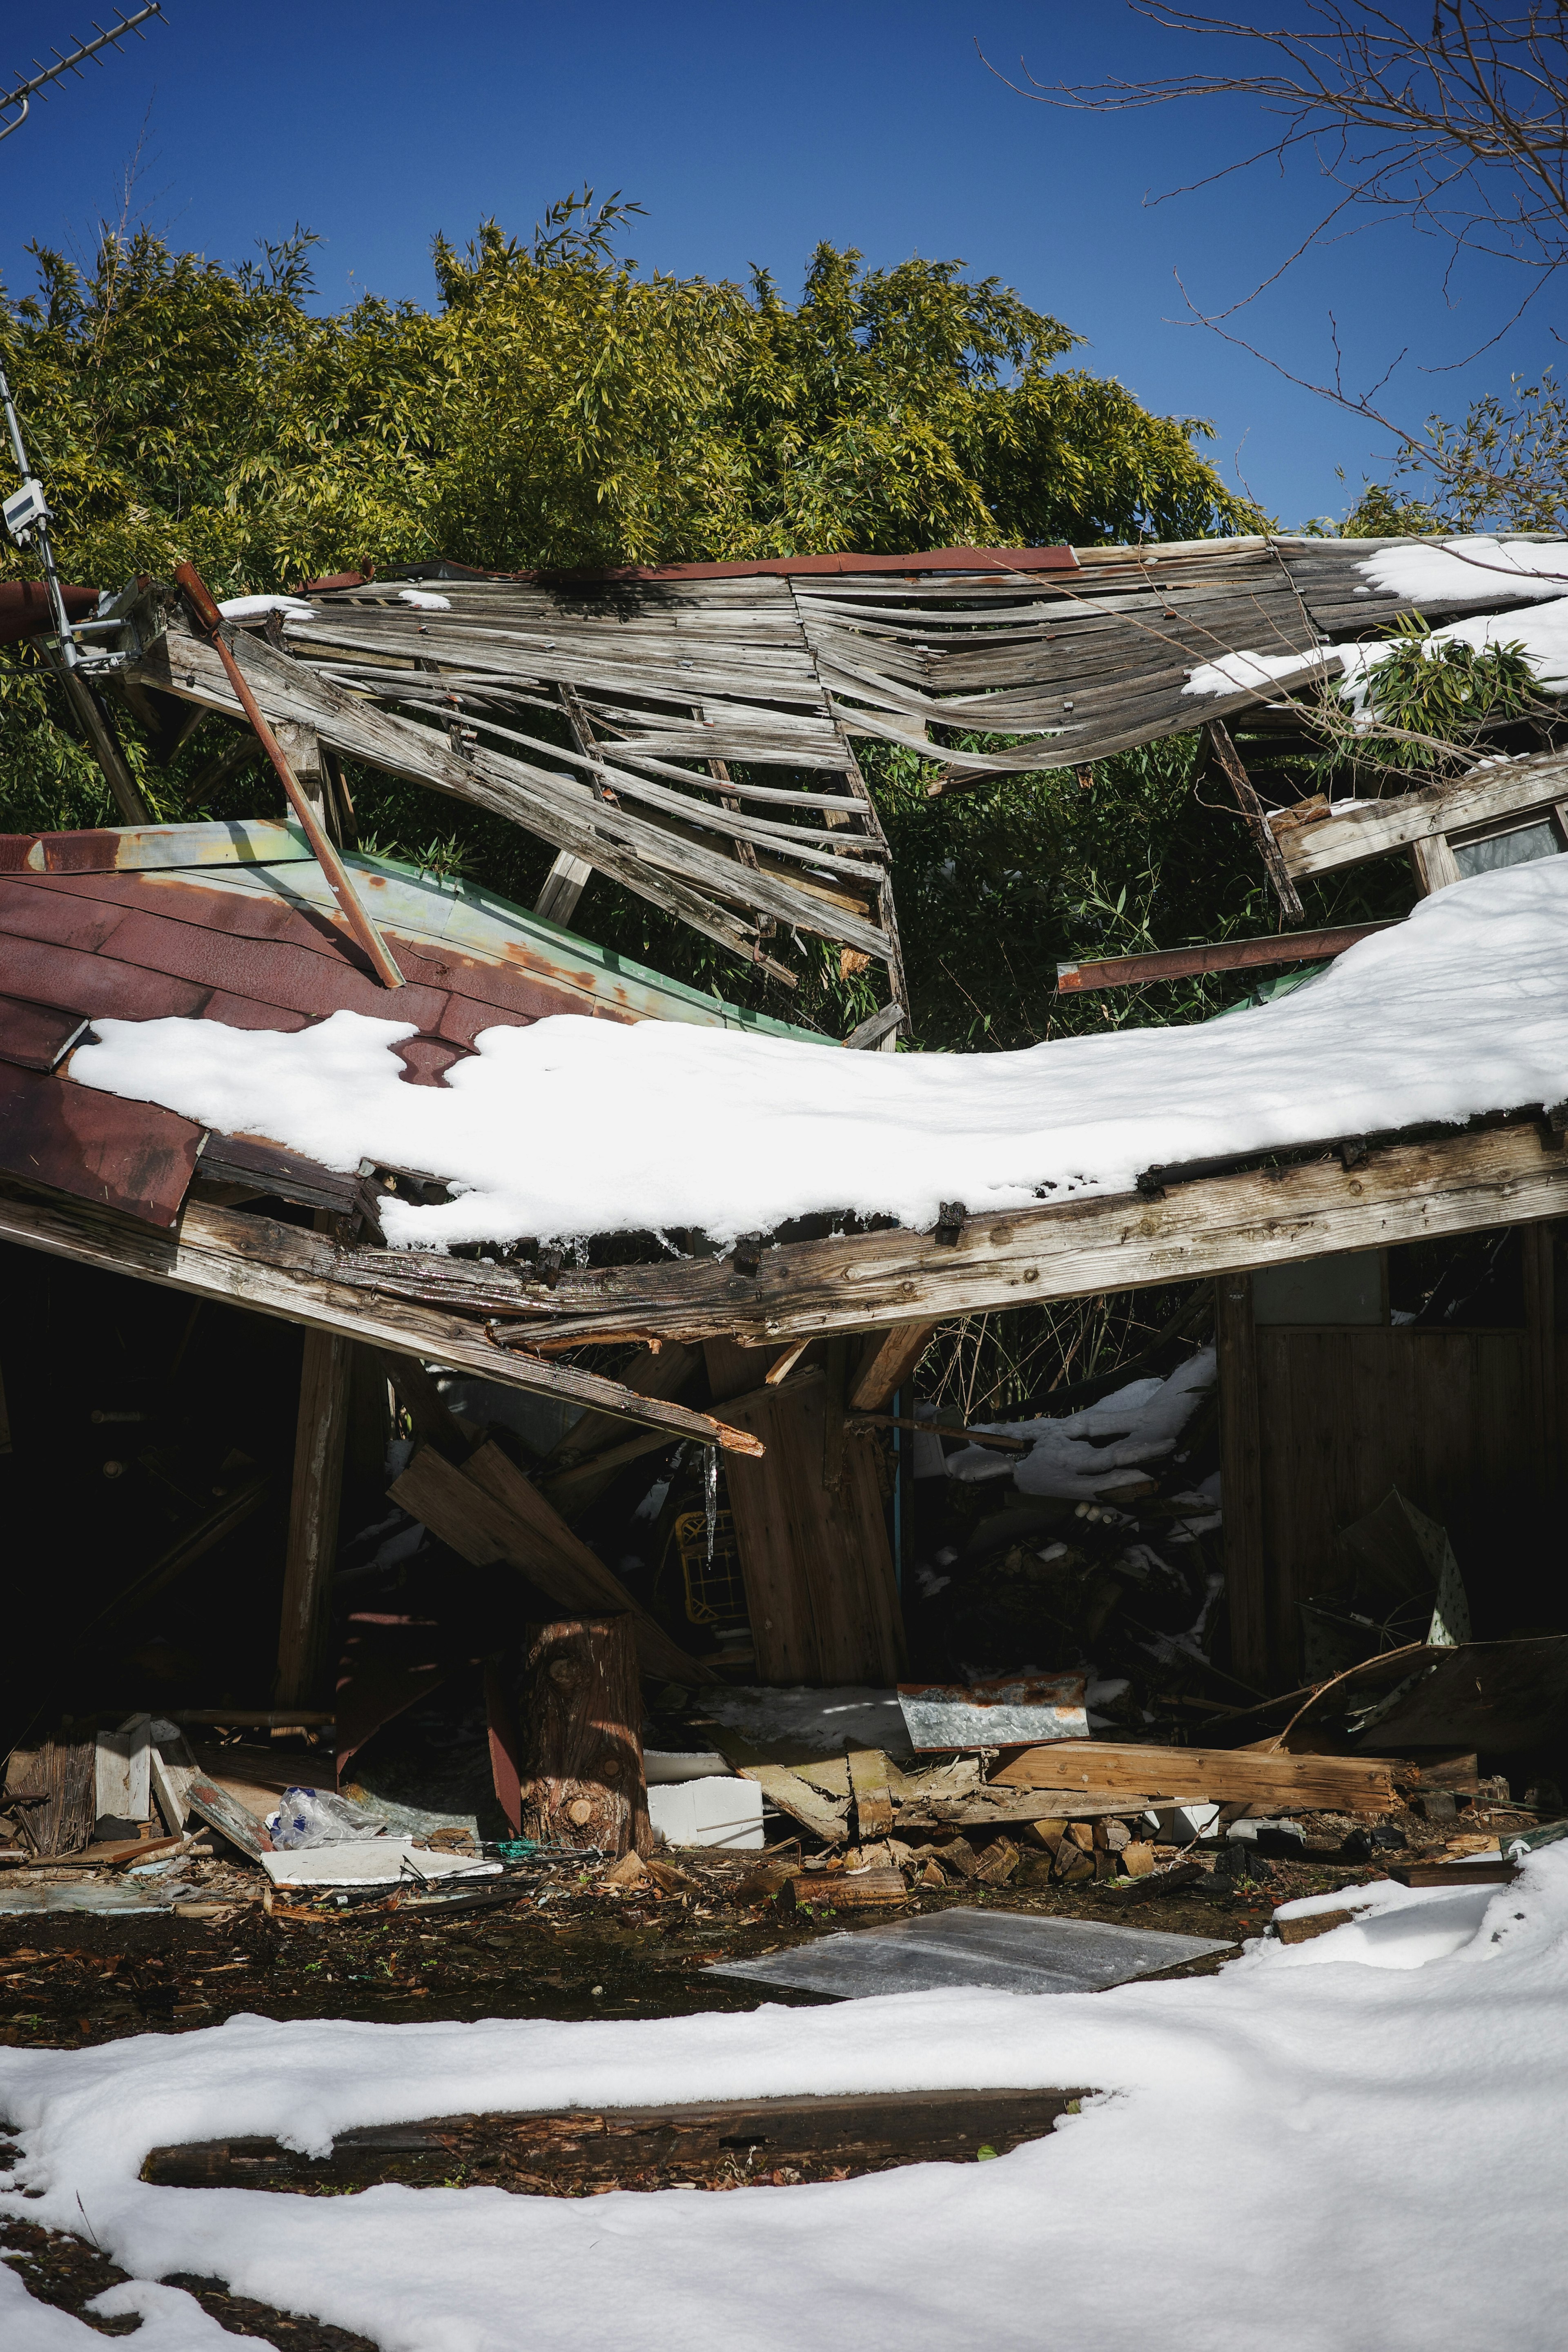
(710, 1492)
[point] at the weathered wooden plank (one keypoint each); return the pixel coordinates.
(1517, 790)
(1219, 1775)
(584, 2147)
(274, 1269)
(487, 1510)
(319, 1437)
(1224, 1224)
(1241, 1487)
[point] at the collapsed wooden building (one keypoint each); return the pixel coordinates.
(692, 734)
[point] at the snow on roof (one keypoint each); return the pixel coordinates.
(1467, 571)
(575, 1125)
(1352, 2141)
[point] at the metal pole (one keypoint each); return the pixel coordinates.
(208, 620)
(51, 570)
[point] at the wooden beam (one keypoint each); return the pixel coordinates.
(887, 1362)
(1240, 1479)
(1353, 1784)
(1434, 864)
(1541, 1366)
(319, 1437)
(1403, 1191)
(254, 1262)
(1252, 811)
(487, 1510)
(1523, 788)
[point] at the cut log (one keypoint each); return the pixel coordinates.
(582, 1761)
(1216, 1775)
(816, 1891)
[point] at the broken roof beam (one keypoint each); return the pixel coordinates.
(1484, 799)
(686, 877)
(1403, 1190)
(254, 1262)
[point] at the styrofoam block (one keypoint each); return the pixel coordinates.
(724, 1811)
(1181, 1824)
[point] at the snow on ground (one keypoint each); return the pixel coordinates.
(577, 1126)
(1352, 2144)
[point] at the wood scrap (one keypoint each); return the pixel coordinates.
(1214, 1775)
(867, 1772)
(487, 1510)
(225, 1815)
(816, 1891)
(792, 1795)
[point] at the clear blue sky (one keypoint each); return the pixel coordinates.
(749, 134)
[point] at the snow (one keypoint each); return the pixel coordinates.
(1074, 1456)
(574, 1125)
(249, 608)
(1238, 673)
(1541, 633)
(1467, 571)
(1330, 2145)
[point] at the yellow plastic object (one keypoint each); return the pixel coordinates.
(714, 1592)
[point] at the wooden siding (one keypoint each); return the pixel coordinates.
(1445, 1416)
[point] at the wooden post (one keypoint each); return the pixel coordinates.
(1241, 1485)
(302, 747)
(581, 1763)
(1434, 864)
(1537, 1244)
(1256, 815)
(319, 1440)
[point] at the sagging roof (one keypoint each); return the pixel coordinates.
(710, 712)
(236, 923)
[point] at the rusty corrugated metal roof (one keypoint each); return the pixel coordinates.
(234, 923)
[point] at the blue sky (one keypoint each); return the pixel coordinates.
(749, 134)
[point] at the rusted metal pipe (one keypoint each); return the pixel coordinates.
(208, 622)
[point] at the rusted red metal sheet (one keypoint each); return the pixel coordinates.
(37, 1036)
(1222, 955)
(129, 1156)
(25, 610)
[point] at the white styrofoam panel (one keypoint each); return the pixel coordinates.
(717, 1810)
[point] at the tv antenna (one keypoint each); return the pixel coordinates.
(22, 96)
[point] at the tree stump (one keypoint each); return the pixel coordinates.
(582, 1761)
